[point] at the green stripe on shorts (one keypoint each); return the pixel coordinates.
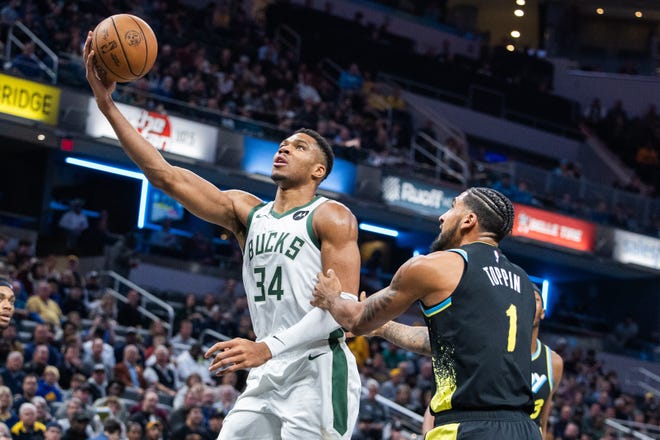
(339, 387)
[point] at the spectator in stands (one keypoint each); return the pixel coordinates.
(128, 313)
(134, 431)
(194, 380)
(373, 416)
(111, 430)
(70, 408)
(625, 333)
(53, 431)
(47, 386)
(190, 312)
(122, 255)
(183, 337)
(7, 414)
(92, 286)
(43, 410)
(163, 240)
(157, 335)
(10, 341)
(98, 236)
(27, 428)
(79, 427)
(39, 361)
(215, 421)
(103, 327)
(131, 337)
(192, 397)
(192, 361)
(12, 373)
(130, 371)
(71, 364)
(115, 405)
(227, 398)
(506, 186)
(10, 13)
(27, 64)
(75, 301)
(98, 352)
(560, 424)
(73, 268)
(389, 388)
(162, 375)
(106, 307)
(209, 305)
(350, 80)
(154, 430)
(74, 222)
(147, 410)
(98, 382)
(194, 424)
(42, 308)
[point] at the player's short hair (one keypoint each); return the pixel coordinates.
(493, 209)
(324, 146)
(6, 283)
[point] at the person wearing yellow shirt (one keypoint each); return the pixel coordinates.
(41, 306)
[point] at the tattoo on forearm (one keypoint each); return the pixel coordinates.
(371, 308)
(414, 339)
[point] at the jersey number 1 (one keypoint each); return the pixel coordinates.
(274, 287)
(512, 313)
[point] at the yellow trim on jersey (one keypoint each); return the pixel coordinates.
(443, 432)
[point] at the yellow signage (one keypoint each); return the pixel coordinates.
(30, 100)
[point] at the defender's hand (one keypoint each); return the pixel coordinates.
(326, 290)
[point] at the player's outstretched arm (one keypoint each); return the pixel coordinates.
(430, 278)
(199, 196)
(411, 338)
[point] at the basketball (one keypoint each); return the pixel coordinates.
(125, 48)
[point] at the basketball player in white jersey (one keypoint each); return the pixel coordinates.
(309, 386)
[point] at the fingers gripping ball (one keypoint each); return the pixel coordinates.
(125, 48)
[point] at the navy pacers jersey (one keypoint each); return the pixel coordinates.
(480, 336)
(541, 378)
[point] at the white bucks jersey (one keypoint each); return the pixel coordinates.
(281, 260)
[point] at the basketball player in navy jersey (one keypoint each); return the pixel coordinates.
(479, 309)
(547, 370)
(547, 366)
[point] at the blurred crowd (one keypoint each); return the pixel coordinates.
(78, 361)
(225, 60)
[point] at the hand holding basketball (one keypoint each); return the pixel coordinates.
(125, 48)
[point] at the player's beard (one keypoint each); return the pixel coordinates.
(447, 239)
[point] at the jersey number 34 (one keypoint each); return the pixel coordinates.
(274, 282)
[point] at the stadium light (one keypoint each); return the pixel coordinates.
(378, 230)
(92, 165)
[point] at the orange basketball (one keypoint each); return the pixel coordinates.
(125, 48)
